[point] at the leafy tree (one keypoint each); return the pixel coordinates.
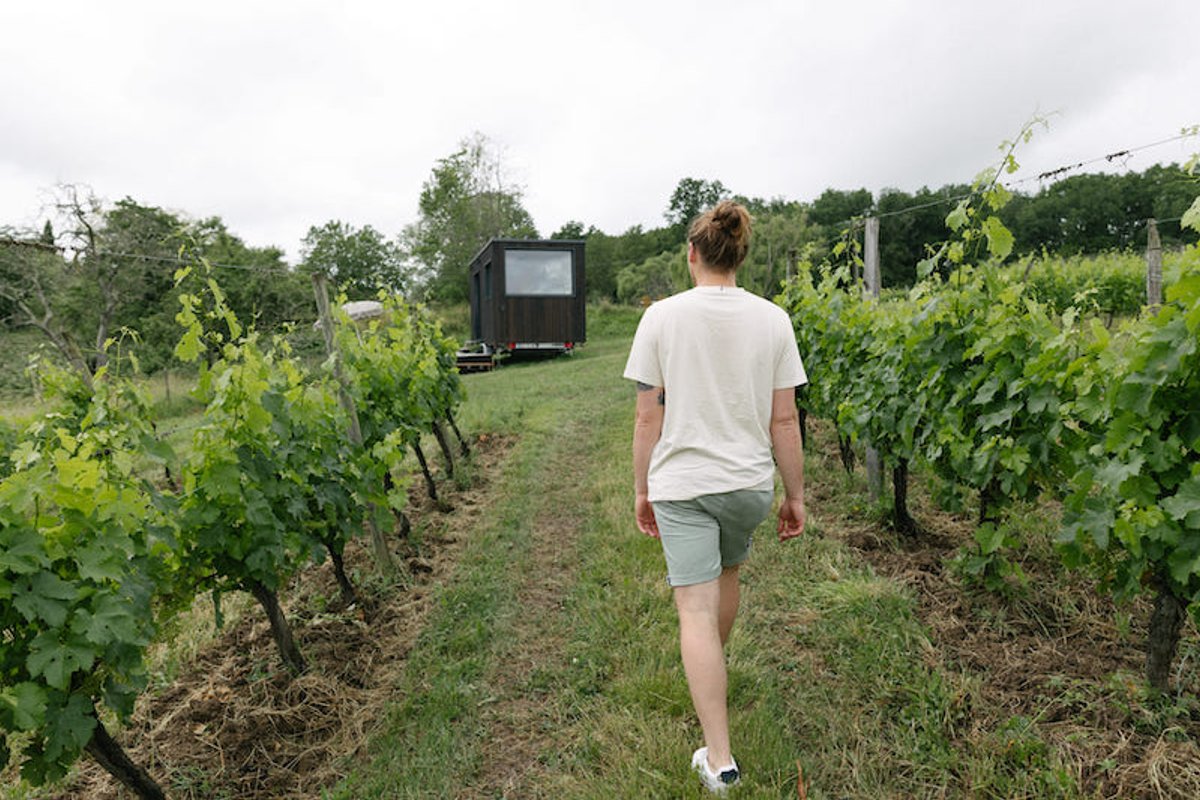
(658, 276)
(263, 288)
(1091, 213)
(571, 229)
(120, 276)
(115, 252)
(33, 283)
(778, 235)
(361, 260)
(836, 206)
(608, 255)
(904, 235)
(692, 196)
(465, 202)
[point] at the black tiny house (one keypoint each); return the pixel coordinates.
(528, 295)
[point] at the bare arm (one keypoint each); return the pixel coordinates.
(789, 457)
(647, 428)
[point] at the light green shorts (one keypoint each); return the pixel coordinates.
(702, 536)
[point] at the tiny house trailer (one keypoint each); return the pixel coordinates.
(527, 296)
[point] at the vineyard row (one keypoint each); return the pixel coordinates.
(106, 533)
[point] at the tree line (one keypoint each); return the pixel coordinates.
(1079, 215)
(96, 268)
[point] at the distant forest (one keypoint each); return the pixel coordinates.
(1082, 214)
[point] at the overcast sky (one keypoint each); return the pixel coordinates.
(281, 115)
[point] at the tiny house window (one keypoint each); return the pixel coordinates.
(539, 272)
(487, 281)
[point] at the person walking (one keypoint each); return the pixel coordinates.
(716, 369)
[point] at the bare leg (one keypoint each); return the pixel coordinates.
(730, 594)
(704, 664)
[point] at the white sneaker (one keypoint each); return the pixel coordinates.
(716, 782)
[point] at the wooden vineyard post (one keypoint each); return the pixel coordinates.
(1153, 265)
(383, 557)
(871, 289)
(793, 257)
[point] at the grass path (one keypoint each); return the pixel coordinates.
(550, 666)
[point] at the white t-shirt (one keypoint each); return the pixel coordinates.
(720, 352)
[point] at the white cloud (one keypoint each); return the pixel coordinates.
(277, 116)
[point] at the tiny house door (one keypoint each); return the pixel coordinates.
(476, 304)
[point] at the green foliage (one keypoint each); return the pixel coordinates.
(402, 374)
(88, 567)
(1111, 284)
(362, 261)
(93, 557)
(1135, 506)
(244, 506)
(656, 277)
(1005, 395)
(464, 203)
(1002, 382)
(985, 565)
(780, 232)
(994, 363)
(914, 220)
(691, 197)
(122, 278)
(829, 333)
(1094, 213)
(836, 207)
(571, 229)
(608, 255)
(8, 442)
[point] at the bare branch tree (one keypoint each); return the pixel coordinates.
(30, 273)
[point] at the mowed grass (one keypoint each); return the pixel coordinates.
(831, 673)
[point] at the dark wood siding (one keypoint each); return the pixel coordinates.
(538, 319)
(530, 319)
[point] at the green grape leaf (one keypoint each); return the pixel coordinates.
(111, 620)
(989, 537)
(43, 596)
(69, 728)
(995, 419)
(25, 455)
(189, 347)
(57, 661)
(1097, 520)
(1000, 196)
(22, 706)
(79, 473)
(1191, 217)
(999, 238)
(99, 561)
(225, 479)
(157, 449)
(1116, 472)
(1184, 505)
(959, 217)
(21, 551)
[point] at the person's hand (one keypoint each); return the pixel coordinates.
(791, 518)
(643, 512)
